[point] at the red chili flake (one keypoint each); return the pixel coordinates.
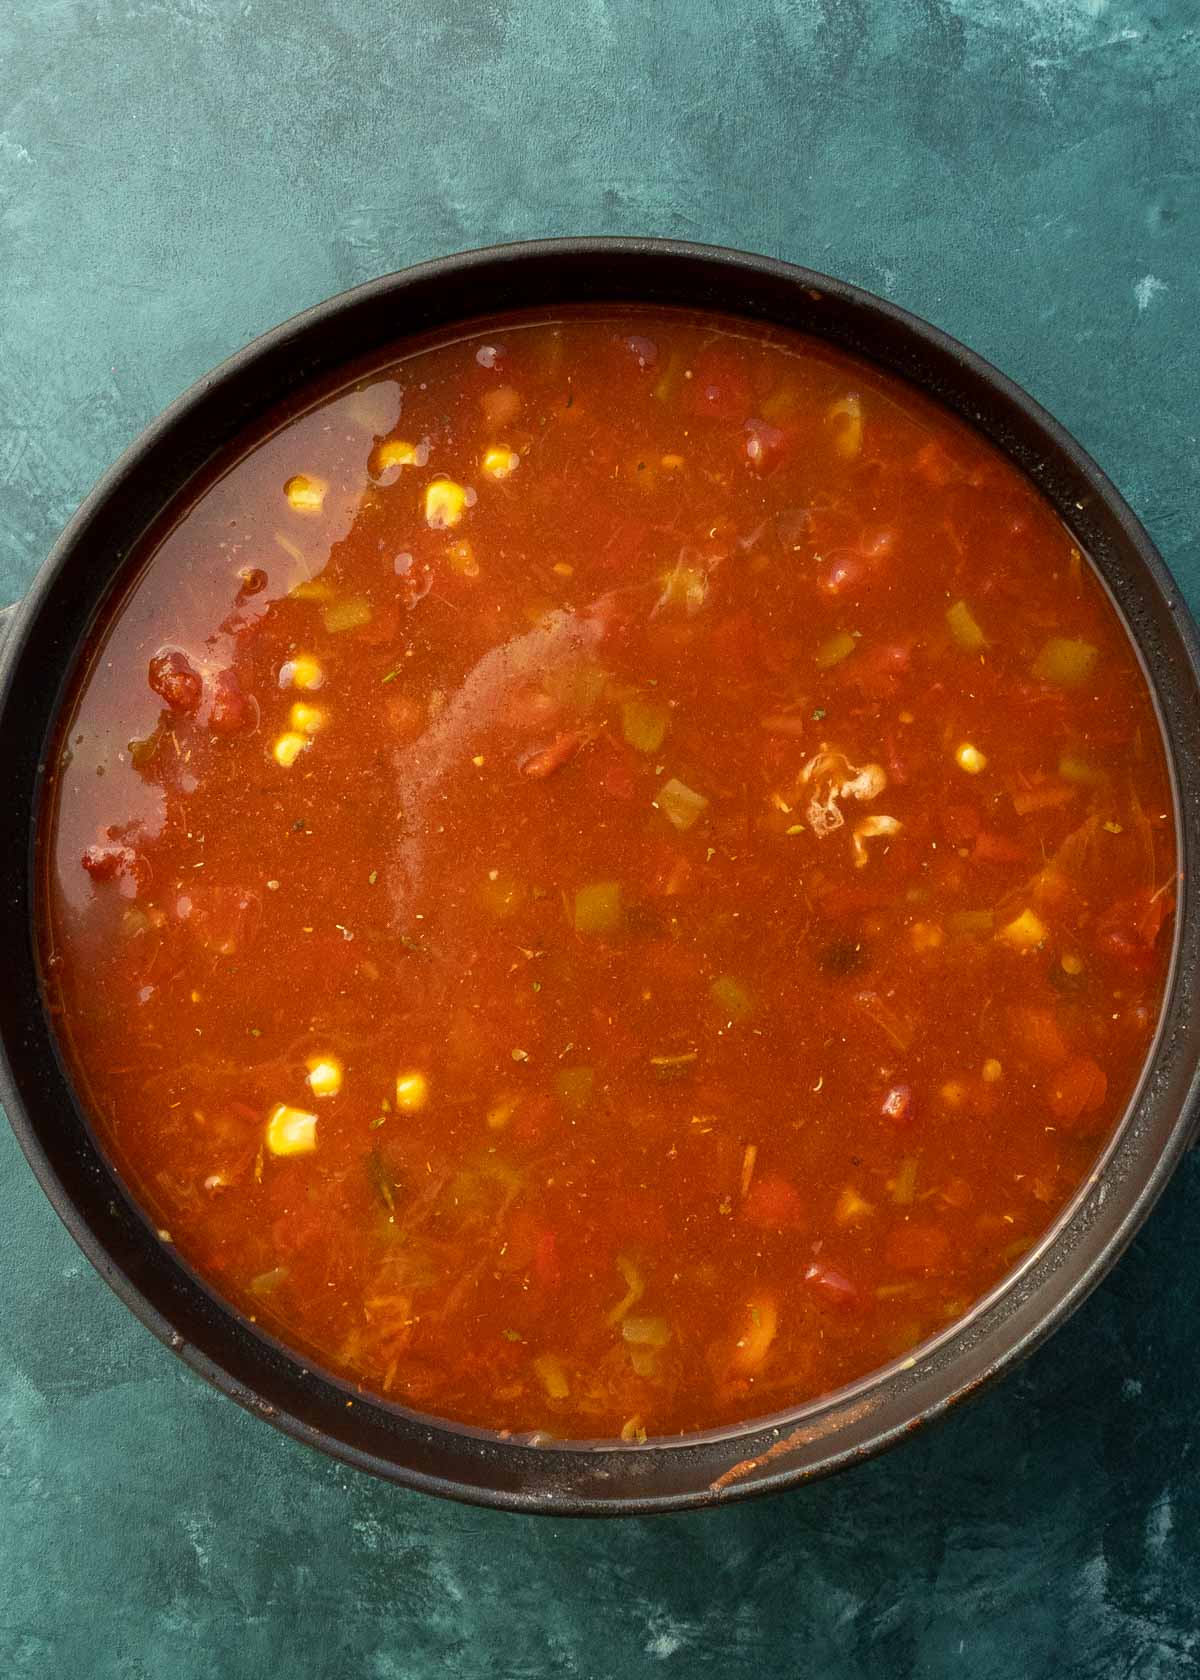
(176, 680)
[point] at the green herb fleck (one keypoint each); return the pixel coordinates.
(255, 1032)
(372, 877)
(379, 1120)
(298, 826)
(818, 713)
(512, 1335)
(537, 985)
(756, 1318)
(392, 674)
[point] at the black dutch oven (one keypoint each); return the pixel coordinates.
(42, 638)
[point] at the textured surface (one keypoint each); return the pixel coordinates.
(176, 176)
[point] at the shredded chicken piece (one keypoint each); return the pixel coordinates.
(833, 777)
(870, 828)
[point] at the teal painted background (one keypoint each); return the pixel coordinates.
(178, 175)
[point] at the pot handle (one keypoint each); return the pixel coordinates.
(7, 614)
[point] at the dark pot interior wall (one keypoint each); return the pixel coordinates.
(174, 178)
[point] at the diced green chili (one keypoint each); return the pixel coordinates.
(598, 908)
(731, 998)
(644, 724)
(1064, 662)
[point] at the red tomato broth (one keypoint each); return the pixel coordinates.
(719, 1087)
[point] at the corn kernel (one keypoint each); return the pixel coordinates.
(1070, 963)
(291, 1131)
(305, 719)
(412, 1092)
(926, 936)
(302, 672)
(324, 1076)
(954, 1093)
(304, 494)
(288, 747)
(445, 502)
(672, 463)
(500, 461)
(1024, 932)
(991, 1071)
(562, 569)
(395, 452)
(970, 759)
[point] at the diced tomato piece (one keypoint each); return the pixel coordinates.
(995, 848)
(917, 1248)
(1078, 1087)
(105, 863)
(773, 1204)
(1037, 1031)
(1129, 929)
(935, 466)
(766, 445)
(230, 707)
(618, 780)
(832, 1286)
(176, 680)
(546, 760)
(876, 670)
(734, 643)
(720, 385)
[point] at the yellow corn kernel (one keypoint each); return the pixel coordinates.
(1070, 963)
(304, 494)
(926, 936)
(395, 452)
(562, 569)
(288, 747)
(500, 461)
(672, 463)
(445, 502)
(412, 1092)
(991, 1071)
(302, 672)
(851, 1207)
(324, 1076)
(1024, 933)
(954, 1093)
(291, 1131)
(970, 759)
(305, 719)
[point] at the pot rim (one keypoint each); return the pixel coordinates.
(569, 1477)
